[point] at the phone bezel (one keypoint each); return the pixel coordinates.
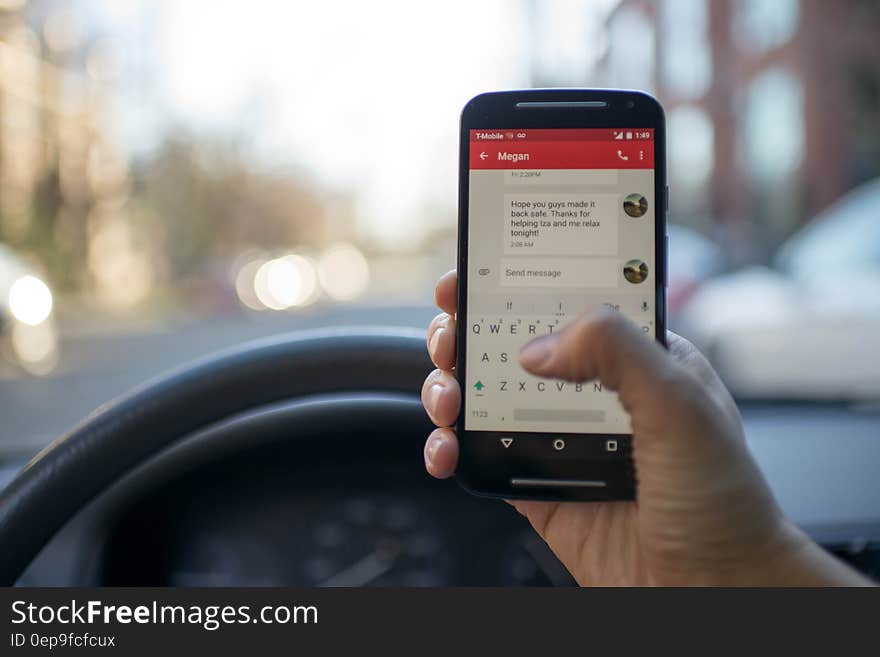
(485, 468)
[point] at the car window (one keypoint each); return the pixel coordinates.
(181, 176)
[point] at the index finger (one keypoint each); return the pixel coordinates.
(445, 293)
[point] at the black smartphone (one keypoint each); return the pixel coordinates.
(562, 208)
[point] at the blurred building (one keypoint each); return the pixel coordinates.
(57, 163)
(773, 107)
(564, 40)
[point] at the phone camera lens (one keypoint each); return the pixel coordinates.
(630, 104)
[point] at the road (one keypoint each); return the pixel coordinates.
(101, 364)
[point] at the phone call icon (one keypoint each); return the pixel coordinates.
(622, 156)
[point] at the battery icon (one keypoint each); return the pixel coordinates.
(629, 135)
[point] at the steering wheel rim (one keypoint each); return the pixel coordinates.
(119, 435)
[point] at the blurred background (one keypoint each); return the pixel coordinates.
(176, 177)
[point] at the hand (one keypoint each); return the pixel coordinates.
(704, 514)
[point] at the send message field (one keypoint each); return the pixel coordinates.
(560, 272)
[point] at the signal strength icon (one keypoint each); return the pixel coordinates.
(618, 135)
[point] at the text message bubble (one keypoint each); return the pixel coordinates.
(560, 224)
(560, 272)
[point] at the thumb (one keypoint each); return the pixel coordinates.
(606, 346)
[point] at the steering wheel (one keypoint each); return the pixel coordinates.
(125, 433)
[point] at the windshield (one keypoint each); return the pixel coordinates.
(178, 177)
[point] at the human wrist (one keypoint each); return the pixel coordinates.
(793, 559)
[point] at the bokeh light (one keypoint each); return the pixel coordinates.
(244, 284)
(36, 347)
(286, 282)
(344, 272)
(30, 300)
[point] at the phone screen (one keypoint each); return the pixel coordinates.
(559, 221)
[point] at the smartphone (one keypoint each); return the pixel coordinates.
(562, 208)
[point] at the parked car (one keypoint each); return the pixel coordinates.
(807, 327)
(693, 260)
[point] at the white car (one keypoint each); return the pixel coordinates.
(693, 260)
(809, 327)
(28, 333)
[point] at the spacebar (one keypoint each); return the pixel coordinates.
(532, 482)
(558, 415)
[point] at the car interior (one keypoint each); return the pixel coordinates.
(296, 461)
(222, 224)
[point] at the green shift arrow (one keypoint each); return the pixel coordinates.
(479, 385)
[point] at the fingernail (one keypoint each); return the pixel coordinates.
(435, 340)
(537, 352)
(433, 396)
(431, 449)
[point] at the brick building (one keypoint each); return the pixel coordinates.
(773, 108)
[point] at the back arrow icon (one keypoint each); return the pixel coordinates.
(507, 442)
(483, 155)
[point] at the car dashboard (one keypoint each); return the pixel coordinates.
(359, 510)
(365, 525)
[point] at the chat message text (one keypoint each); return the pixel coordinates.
(561, 224)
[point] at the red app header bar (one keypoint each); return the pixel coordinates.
(562, 134)
(562, 155)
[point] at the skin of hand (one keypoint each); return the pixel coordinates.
(704, 514)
